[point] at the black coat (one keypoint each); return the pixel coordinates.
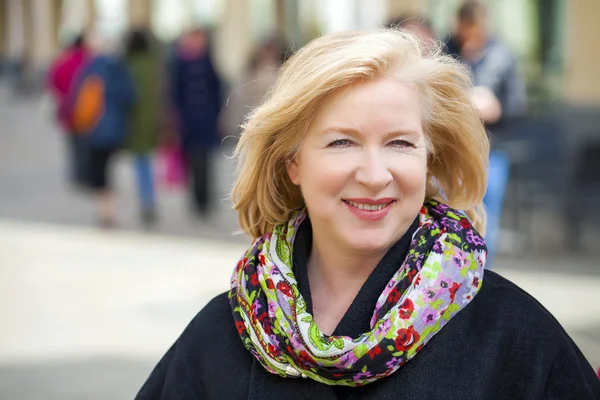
(503, 345)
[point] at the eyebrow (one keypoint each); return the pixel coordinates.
(356, 132)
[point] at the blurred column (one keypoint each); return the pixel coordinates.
(288, 22)
(234, 40)
(581, 56)
(78, 16)
(140, 13)
(3, 29)
(41, 40)
(56, 20)
(397, 8)
(15, 38)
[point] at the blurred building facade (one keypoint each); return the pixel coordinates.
(554, 39)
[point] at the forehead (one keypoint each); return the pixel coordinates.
(384, 103)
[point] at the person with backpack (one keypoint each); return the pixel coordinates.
(142, 59)
(59, 79)
(100, 103)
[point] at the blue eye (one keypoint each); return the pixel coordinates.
(401, 143)
(340, 143)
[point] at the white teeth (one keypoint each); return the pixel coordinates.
(368, 207)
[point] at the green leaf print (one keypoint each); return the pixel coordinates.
(398, 353)
(283, 251)
(308, 318)
(453, 307)
(453, 216)
(437, 304)
(360, 350)
(391, 348)
(338, 343)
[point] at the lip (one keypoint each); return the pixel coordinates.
(384, 200)
(368, 215)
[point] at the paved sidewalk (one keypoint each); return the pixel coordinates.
(86, 313)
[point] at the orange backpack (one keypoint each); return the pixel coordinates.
(88, 105)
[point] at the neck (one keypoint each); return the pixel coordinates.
(336, 276)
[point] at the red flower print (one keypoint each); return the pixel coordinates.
(406, 309)
(373, 352)
(475, 282)
(261, 259)
(465, 223)
(240, 327)
(337, 375)
(406, 338)
(394, 296)
(269, 282)
(453, 290)
(305, 358)
(254, 279)
(273, 350)
(284, 288)
(411, 274)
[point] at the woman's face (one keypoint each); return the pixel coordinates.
(362, 167)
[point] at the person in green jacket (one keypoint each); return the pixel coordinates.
(143, 59)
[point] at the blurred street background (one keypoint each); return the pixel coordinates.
(101, 271)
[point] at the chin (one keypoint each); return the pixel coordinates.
(370, 242)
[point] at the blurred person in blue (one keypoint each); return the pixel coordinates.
(196, 95)
(59, 79)
(499, 94)
(363, 279)
(143, 60)
(99, 106)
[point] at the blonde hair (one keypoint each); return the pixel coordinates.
(264, 195)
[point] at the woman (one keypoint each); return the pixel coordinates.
(143, 62)
(363, 278)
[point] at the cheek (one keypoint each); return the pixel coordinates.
(411, 174)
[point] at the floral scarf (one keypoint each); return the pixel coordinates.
(441, 274)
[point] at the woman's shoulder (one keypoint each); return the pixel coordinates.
(500, 297)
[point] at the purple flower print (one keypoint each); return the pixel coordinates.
(383, 328)
(257, 305)
(347, 359)
(429, 316)
(296, 342)
(362, 376)
(272, 309)
(274, 340)
(437, 247)
(430, 295)
(443, 282)
(474, 239)
(451, 224)
(393, 363)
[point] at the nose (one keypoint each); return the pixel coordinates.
(373, 171)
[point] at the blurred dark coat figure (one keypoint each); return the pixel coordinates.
(59, 80)
(196, 95)
(142, 57)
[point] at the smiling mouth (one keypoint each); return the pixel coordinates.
(368, 207)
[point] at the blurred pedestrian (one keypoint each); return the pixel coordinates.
(499, 94)
(59, 80)
(143, 59)
(251, 89)
(100, 103)
(196, 93)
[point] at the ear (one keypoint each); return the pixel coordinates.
(293, 171)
